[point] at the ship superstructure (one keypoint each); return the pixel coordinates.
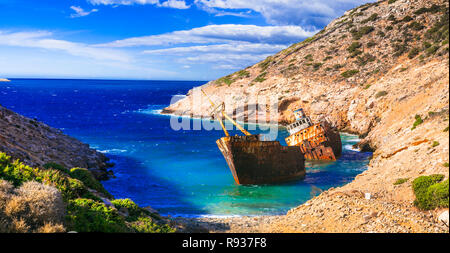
(318, 141)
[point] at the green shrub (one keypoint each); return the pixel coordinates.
(366, 30)
(400, 48)
(357, 34)
(439, 31)
(372, 17)
(244, 73)
(70, 187)
(445, 164)
(85, 176)
(337, 66)
(417, 122)
(355, 45)
(265, 64)
(426, 44)
(133, 209)
(391, 17)
(225, 80)
(445, 129)
(433, 49)
(55, 166)
(381, 94)
(371, 44)
(317, 65)
(401, 181)
(363, 60)
(433, 9)
(146, 225)
(413, 52)
(86, 215)
(430, 192)
(416, 26)
(16, 172)
(438, 194)
(435, 144)
(309, 57)
(392, 1)
(406, 19)
(349, 73)
(260, 78)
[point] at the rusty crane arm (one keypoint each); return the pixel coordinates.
(225, 116)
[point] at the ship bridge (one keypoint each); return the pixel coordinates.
(301, 122)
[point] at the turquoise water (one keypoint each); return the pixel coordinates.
(181, 173)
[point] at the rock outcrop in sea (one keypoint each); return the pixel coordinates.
(36, 144)
(380, 71)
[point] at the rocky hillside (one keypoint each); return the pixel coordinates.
(380, 71)
(36, 144)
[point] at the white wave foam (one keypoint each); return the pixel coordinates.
(351, 148)
(216, 216)
(113, 151)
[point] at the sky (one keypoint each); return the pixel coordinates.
(152, 39)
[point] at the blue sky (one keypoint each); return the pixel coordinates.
(152, 39)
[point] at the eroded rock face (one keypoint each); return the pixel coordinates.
(352, 72)
(36, 144)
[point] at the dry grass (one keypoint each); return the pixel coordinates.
(33, 207)
(51, 228)
(6, 189)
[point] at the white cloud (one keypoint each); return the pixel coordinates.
(43, 40)
(286, 12)
(249, 48)
(175, 4)
(220, 34)
(222, 47)
(219, 56)
(224, 58)
(79, 12)
(123, 2)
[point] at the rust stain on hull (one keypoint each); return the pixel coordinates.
(253, 161)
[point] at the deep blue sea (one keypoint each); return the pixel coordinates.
(176, 172)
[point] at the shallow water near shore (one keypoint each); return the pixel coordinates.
(181, 173)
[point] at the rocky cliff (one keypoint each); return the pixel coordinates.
(380, 71)
(36, 144)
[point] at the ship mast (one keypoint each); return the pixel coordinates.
(222, 110)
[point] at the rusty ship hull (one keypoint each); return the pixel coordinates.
(253, 161)
(318, 142)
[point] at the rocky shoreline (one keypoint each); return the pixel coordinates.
(349, 215)
(36, 144)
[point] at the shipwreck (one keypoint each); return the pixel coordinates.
(256, 161)
(318, 141)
